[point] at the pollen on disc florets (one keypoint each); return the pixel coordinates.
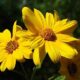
(11, 46)
(48, 34)
(72, 69)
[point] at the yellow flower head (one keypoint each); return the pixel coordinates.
(12, 48)
(49, 34)
(71, 68)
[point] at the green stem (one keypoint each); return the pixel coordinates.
(33, 73)
(17, 72)
(25, 74)
(51, 78)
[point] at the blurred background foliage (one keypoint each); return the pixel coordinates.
(10, 10)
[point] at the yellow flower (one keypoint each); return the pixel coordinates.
(71, 68)
(49, 35)
(12, 48)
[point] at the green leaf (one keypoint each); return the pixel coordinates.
(57, 77)
(60, 78)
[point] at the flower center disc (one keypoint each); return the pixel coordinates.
(11, 46)
(48, 34)
(72, 68)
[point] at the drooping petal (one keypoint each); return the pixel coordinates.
(39, 55)
(49, 20)
(40, 18)
(65, 38)
(36, 56)
(52, 50)
(63, 26)
(30, 20)
(66, 50)
(11, 62)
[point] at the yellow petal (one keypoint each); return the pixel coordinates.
(19, 31)
(11, 62)
(26, 34)
(30, 20)
(70, 27)
(76, 44)
(39, 55)
(66, 50)
(19, 28)
(37, 42)
(40, 17)
(5, 36)
(3, 55)
(18, 54)
(59, 25)
(14, 30)
(22, 33)
(3, 66)
(49, 20)
(56, 16)
(65, 38)
(27, 53)
(65, 28)
(53, 51)
(2, 45)
(25, 48)
(24, 43)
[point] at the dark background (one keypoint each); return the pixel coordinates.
(10, 10)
